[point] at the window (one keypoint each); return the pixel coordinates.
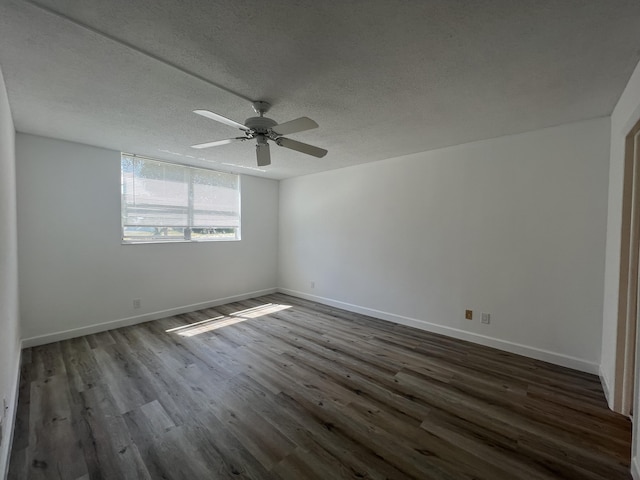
(165, 202)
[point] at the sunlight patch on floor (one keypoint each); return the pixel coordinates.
(215, 323)
(261, 310)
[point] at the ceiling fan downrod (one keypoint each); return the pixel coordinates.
(260, 107)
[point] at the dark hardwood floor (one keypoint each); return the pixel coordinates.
(281, 388)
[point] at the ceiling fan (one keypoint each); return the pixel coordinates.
(263, 129)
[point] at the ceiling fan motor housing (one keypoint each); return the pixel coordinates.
(260, 124)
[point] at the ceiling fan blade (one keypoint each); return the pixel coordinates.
(218, 143)
(294, 126)
(262, 152)
(301, 147)
(220, 118)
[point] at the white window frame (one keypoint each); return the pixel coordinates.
(188, 229)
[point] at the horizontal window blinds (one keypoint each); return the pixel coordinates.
(155, 194)
(173, 202)
(216, 199)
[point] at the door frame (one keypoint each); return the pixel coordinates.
(629, 284)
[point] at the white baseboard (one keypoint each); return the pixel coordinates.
(7, 441)
(605, 388)
(512, 347)
(125, 322)
(528, 351)
(635, 468)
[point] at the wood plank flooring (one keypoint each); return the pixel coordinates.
(281, 388)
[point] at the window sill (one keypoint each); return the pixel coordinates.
(164, 242)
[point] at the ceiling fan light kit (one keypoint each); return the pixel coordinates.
(263, 129)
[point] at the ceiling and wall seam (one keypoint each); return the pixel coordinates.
(134, 48)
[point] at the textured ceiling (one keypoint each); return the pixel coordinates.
(382, 78)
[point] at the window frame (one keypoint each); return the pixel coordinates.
(188, 230)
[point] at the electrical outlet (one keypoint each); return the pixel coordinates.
(136, 303)
(486, 318)
(468, 314)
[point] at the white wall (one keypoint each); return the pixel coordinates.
(513, 226)
(625, 115)
(74, 271)
(9, 317)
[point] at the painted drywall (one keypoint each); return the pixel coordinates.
(76, 276)
(9, 312)
(513, 226)
(625, 115)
